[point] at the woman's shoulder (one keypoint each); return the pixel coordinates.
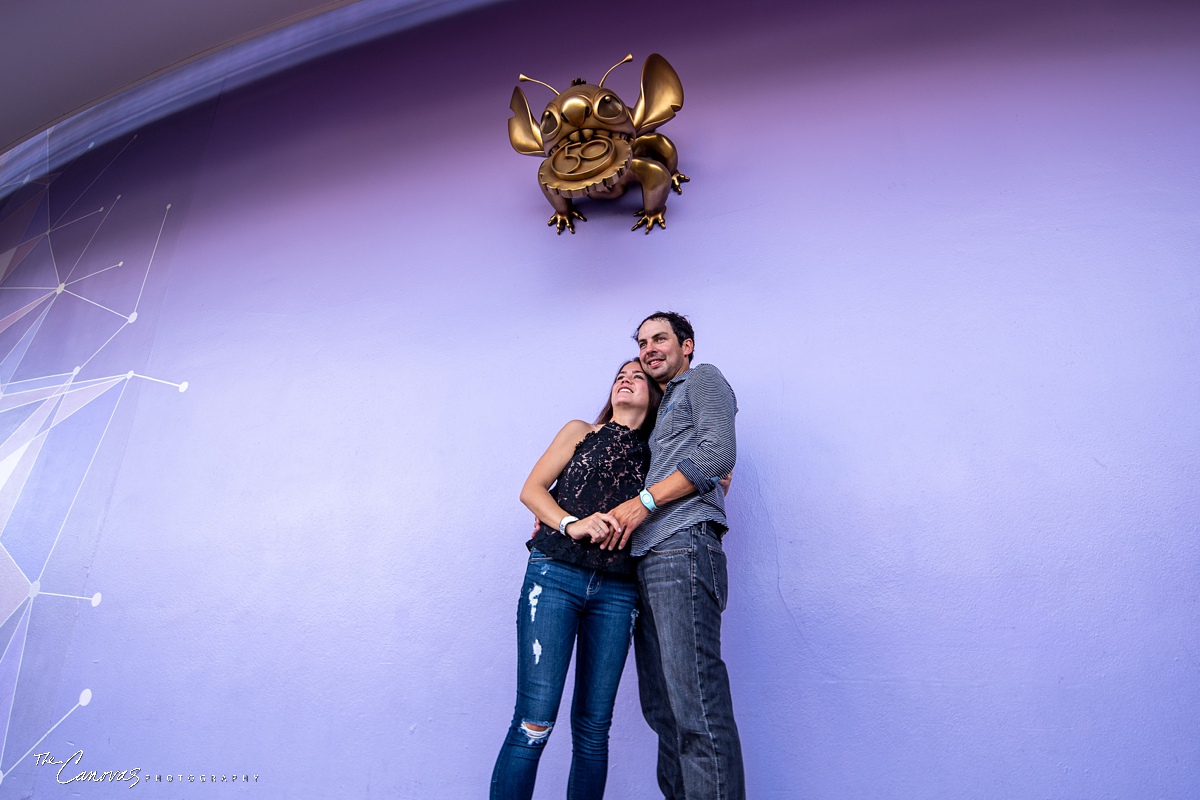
(574, 432)
(578, 427)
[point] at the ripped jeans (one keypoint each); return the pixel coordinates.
(565, 607)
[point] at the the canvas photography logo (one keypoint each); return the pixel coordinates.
(73, 771)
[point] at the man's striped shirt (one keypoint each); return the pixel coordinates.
(694, 434)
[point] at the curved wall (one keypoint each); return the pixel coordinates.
(946, 258)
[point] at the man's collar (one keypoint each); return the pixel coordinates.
(678, 378)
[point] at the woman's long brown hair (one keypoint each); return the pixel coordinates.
(606, 414)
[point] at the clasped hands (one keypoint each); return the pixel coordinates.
(611, 529)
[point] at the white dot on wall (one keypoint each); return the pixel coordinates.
(183, 387)
(95, 599)
(168, 206)
(132, 318)
(85, 697)
(91, 145)
(34, 588)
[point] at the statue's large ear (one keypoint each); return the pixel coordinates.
(661, 97)
(522, 132)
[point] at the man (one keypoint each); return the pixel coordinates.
(677, 524)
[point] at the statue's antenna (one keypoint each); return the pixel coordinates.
(624, 60)
(548, 86)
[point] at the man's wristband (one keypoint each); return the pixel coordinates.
(647, 500)
(567, 520)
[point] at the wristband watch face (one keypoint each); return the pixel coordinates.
(647, 500)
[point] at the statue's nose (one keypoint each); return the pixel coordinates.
(576, 110)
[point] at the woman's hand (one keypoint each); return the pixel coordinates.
(594, 527)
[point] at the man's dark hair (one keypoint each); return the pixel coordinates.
(679, 326)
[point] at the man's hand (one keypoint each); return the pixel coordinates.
(627, 517)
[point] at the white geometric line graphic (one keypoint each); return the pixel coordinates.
(10, 669)
(150, 263)
(42, 412)
(83, 252)
(98, 176)
(97, 272)
(94, 599)
(53, 260)
(97, 305)
(99, 349)
(40, 378)
(180, 386)
(75, 498)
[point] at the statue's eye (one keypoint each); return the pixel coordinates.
(609, 107)
(549, 123)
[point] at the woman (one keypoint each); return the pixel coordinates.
(576, 590)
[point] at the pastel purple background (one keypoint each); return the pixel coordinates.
(947, 257)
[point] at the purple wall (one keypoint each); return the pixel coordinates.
(946, 257)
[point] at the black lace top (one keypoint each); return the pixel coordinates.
(608, 467)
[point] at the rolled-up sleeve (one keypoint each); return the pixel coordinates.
(713, 408)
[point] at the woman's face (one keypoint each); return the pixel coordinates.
(630, 389)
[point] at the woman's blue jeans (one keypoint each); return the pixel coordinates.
(565, 607)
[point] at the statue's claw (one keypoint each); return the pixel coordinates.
(649, 219)
(566, 220)
(677, 181)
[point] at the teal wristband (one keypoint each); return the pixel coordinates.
(647, 500)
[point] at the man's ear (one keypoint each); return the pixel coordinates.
(688, 347)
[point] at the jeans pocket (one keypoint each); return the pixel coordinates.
(677, 543)
(720, 575)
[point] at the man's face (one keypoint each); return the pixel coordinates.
(662, 355)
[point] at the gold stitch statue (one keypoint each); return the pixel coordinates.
(593, 145)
